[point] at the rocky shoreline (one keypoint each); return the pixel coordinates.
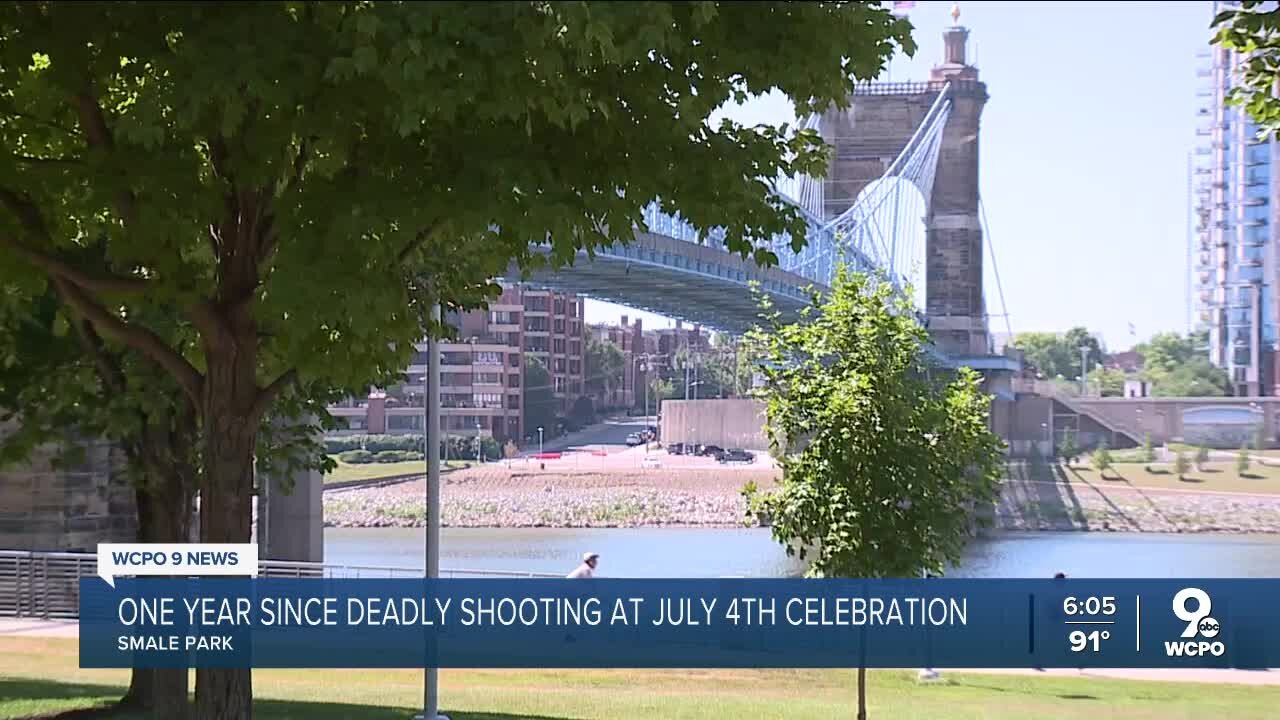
(499, 497)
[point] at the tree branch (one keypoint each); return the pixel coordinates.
(414, 244)
(269, 394)
(94, 123)
(136, 337)
(29, 160)
(111, 374)
(29, 215)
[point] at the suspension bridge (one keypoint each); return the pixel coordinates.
(900, 198)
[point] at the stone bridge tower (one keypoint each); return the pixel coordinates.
(867, 137)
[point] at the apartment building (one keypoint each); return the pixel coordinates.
(483, 372)
(630, 338)
(1235, 260)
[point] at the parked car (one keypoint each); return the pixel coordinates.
(737, 455)
(710, 450)
(634, 439)
(675, 449)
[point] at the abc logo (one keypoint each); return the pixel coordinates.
(1192, 606)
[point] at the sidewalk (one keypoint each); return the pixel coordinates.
(35, 627)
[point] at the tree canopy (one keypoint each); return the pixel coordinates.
(1056, 354)
(1253, 29)
(1179, 366)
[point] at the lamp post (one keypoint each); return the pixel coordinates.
(431, 679)
(479, 446)
(539, 439)
(1084, 369)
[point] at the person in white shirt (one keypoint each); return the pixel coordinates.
(587, 568)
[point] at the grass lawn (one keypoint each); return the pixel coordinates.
(346, 471)
(1216, 476)
(40, 675)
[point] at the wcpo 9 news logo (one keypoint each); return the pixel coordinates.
(1192, 606)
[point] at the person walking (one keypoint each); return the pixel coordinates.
(587, 568)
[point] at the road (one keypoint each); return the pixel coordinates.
(609, 434)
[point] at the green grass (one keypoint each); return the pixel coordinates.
(40, 675)
(347, 471)
(1216, 477)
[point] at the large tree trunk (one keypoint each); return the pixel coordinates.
(230, 429)
(164, 497)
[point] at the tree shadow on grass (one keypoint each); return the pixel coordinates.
(1190, 479)
(1020, 691)
(1157, 471)
(1250, 476)
(85, 701)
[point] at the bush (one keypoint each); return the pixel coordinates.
(373, 443)
(392, 456)
(356, 457)
(1242, 461)
(464, 448)
(1180, 464)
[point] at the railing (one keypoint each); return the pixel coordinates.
(47, 584)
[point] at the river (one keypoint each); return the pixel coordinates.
(693, 552)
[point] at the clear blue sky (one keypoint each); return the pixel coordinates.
(1084, 149)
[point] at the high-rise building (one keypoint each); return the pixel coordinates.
(1235, 264)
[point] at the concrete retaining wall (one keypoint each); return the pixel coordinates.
(734, 423)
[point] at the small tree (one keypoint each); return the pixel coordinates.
(1069, 449)
(1180, 464)
(1102, 459)
(882, 463)
(1202, 457)
(1242, 461)
(1148, 452)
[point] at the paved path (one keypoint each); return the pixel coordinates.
(34, 627)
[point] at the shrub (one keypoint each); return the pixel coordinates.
(1202, 457)
(373, 443)
(392, 456)
(1180, 464)
(1242, 461)
(1148, 453)
(1102, 459)
(356, 457)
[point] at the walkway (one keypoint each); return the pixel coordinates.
(34, 627)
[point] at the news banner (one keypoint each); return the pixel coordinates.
(203, 606)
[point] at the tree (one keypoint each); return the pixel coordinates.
(1069, 450)
(1178, 366)
(1054, 354)
(539, 397)
(1202, 457)
(582, 412)
(1252, 30)
(605, 368)
(254, 168)
(1180, 464)
(1109, 382)
(1242, 461)
(1102, 459)
(1148, 452)
(883, 461)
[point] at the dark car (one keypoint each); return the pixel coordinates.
(675, 449)
(737, 455)
(710, 450)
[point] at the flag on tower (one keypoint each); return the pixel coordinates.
(1132, 330)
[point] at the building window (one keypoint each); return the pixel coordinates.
(489, 378)
(487, 400)
(575, 347)
(575, 367)
(559, 325)
(513, 361)
(488, 358)
(513, 402)
(559, 365)
(558, 346)
(419, 358)
(513, 381)
(559, 384)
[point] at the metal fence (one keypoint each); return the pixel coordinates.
(47, 584)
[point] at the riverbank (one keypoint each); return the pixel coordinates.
(1033, 498)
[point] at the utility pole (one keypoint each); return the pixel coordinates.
(1084, 369)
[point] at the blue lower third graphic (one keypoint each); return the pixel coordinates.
(234, 622)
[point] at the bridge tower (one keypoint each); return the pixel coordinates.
(866, 138)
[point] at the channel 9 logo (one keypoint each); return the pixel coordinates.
(1200, 624)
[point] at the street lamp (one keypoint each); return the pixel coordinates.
(479, 446)
(1084, 369)
(539, 439)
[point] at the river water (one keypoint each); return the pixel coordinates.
(695, 552)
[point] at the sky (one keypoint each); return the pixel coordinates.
(1083, 166)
